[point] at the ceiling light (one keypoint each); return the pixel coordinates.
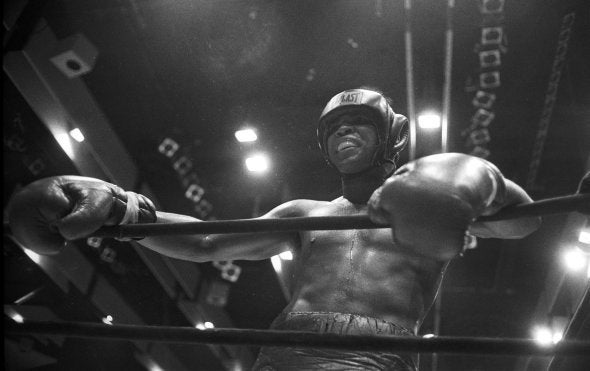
(286, 255)
(483, 99)
(17, 317)
(168, 147)
(209, 325)
(65, 143)
(557, 337)
(489, 58)
(491, 6)
(574, 259)
(246, 135)
(194, 192)
(543, 335)
(482, 118)
(33, 255)
(429, 121)
(489, 80)
(258, 163)
(200, 326)
(108, 320)
(77, 135)
(584, 236)
(491, 35)
(276, 263)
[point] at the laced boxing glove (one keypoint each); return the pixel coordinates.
(49, 211)
(429, 203)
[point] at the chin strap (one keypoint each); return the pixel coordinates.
(358, 187)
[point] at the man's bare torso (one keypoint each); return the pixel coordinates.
(360, 271)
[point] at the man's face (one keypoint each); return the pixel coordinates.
(352, 141)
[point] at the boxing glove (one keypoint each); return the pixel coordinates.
(49, 211)
(429, 203)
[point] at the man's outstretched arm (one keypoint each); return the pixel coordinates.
(50, 211)
(510, 228)
(430, 204)
(233, 246)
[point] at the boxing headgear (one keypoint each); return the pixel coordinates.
(392, 128)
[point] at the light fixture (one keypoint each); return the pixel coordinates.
(94, 242)
(489, 58)
(584, 236)
(543, 335)
(574, 259)
(65, 143)
(480, 136)
(491, 35)
(33, 255)
(203, 208)
(429, 121)
(286, 255)
(276, 263)
(491, 6)
(231, 272)
(168, 147)
(483, 99)
(209, 325)
(482, 118)
(182, 165)
(200, 326)
(194, 192)
(76, 55)
(489, 80)
(15, 316)
(77, 135)
(246, 135)
(108, 320)
(257, 163)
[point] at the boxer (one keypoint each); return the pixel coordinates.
(369, 281)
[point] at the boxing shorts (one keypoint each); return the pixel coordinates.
(286, 358)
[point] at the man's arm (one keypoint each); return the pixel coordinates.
(234, 246)
(511, 228)
(50, 211)
(431, 202)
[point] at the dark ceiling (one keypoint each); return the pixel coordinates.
(196, 71)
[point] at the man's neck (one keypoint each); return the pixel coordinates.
(358, 188)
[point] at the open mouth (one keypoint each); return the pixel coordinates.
(346, 145)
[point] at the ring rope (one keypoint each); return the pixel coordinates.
(300, 339)
(557, 205)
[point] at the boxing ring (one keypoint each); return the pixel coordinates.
(557, 205)
(301, 339)
(189, 335)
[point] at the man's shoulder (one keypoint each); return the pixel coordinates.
(297, 208)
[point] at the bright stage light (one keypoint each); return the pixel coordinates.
(286, 255)
(200, 326)
(584, 236)
(65, 143)
(258, 163)
(246, 135)
(17, 318)
(276, 263)
(77, 135)
(33, 255)
(543, 335)
(108, 320)
(429, 121)
(574, 259)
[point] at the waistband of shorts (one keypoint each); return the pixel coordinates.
(289, 316)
